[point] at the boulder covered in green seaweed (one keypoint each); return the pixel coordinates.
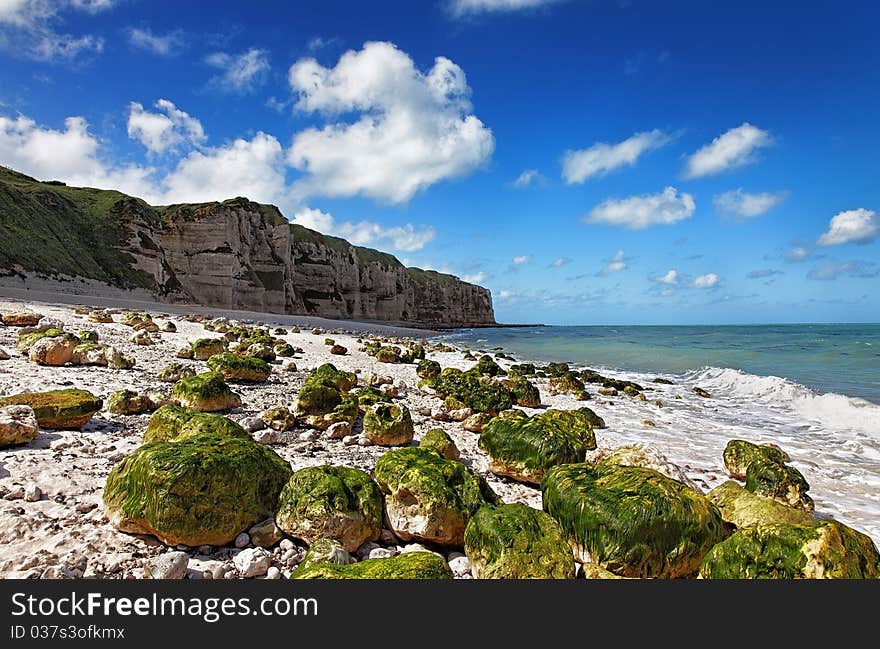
(171, 423)
(781, 482)
(388, 424)
(525, 393)
(204, 348)
(412, 565)
(173, 372)
(517, 542)
(427, 369)
(745, 509)
(69, 409)
(128, 402)
(437, 439)
(324, 399)
(474, 391)
(632, 521)
(206, 392)
(240, 368)
(738, 454)
(488, 367)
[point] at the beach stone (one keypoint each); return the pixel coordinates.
(324, 399)
(185, 353)
(476, 423)
(525, 448)
(127, 402)
(206, 392)
(54, 351)
(172, 423)
(267, 436)
(116, 360)
(461, 566)
(517, 542)
(279, 418)
(253, 424)
(739, 454)
(242, 540)
(440, 441)
(252, 562)
(339, 430)
(265, 534)
(18, 425)
(32, 493)
(429, 498)
(350, 440)
(261, 351)
(273, 573)
(67, 409)
(824, 550)
(428, 369)
(338, 350)
(473, 390)
(288, 366)
(700, 392)
(174, 372)
(524, 393)
(21, 319)
(388, 424)
(101, 317)
(783, 483)
(4, 356)
(169, 327)
(608, 392)
(204, 348)
(413, 565)
(170, 565)
(642, 456)
(608, 512)
(381, 553)
(745, 509)
(463, 414)
(240, 368)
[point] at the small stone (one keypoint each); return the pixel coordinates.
(85, 508)
(309, 435)
(242, 540)
(381, 553)
(350, 440)
(286, 544)
(205, 549)
(267, 436)
(288, 365)
(363, 552)
(649, 422)
(4, 356)
(657, 403)
(439, 415)
(171, 565)
(265, 534)
(32, 493)
(253, 424)
(273, 573)
(608, 392)
(413, 547)
(219, 571)
(363, 441)
(15, 494)
(253, 562)
(339, 430)
(18, 425)
(460, 415)
(700, 392)
(338, 350)
(460, 566)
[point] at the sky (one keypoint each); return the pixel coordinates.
(589, 161)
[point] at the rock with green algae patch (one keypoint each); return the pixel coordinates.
(474, 391)
(54, 351)
(203, 489)
(631, 521)
(173, 372)
(206, 392)
(284, 350)
(369, 396)
(26, 341)
(523, 449)
(240, 368)
(204, 348)
(412, 565)
(566, 384)
(517, 542)
(824, 550)
(488, 367)
(642, 456)
(279, 418)
(388, 424)
(128, 402)
(324, 399)
(745, 509)
(334, 502)
(524, 393)
(429, 498)
(427, 369)
(438, 440)
(388, 355)
(781, 482)
(69, 409)
(170, 423)
(738, 454)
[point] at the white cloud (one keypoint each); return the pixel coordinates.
(851, 226)
(521, 259)
(615, 265)
(601, 158)
(414, 128)
(831, 270)
(706, 281)
(732, 149)
(639, 212)
(163, 45)
(319, 43)
(671, 277)
(365, 233)
(526, 178)
(165, 130)
(476, 278)
(505, 295)
(463, 7)
(746, 206)
(242, 73)
(559, 262)
(31, 28)
(797, 253)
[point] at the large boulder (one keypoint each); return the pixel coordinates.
(488, 367)
(55, 350)
(517, 542)
(430, 498)
(203, 489)
(27, 340)
(412, 565)
(388, 424)
(324, 399)
(331, 502)
(18, 425)
(69, 409)
(781, 482)
(204, 348)
(475, 391)
(206, 392)
(438, 440)
(128, 402)
(240, 368)
(524, 393)
(642, 456)
(823, 550)
(634, 522)
(171, 423)
(738, 454)
(745, 509)
(523, 449)
(21, 319)
(427, 369)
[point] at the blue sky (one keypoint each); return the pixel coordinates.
(590, 161)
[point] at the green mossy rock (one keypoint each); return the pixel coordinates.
(369, 396)
(412, 565)
(417, 352)
(438, 440)
(632, 521)
(331, 502)
(524, 393)
(523, 369)
(430, 498)
(781, 482)
(595, 420)
(623, 386)
(58, 409)
(174, 372)
(206, 392)
(824, 550)
(260, 351)
(199, 490)
(523, 449)
(127, 402)
(88, 336)
(323, 399)
(427, 369)
(388, 424)
(479, 393)
(517, 542)
(388, 355)
(26, 341)
(488, 367)
(171, 423)
(279, 418)
(240, 368)
(745, 509)
(204, 348)
(565, 384)
(284, 350)
(557, 369)
(738, 454)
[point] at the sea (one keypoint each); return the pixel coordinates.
(814, 389)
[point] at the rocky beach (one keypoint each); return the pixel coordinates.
(404, 457)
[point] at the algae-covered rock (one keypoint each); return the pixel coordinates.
(488, 367)
(27, 340)
(204, 348)
(174, 372)
(369, 396)
(644, 457)
(54, 350)
(203, 489)
(430, 498)
(745, 509)
(331, 502)
(128, 402)
(524, 393)
(69, 409)
(206, 392)
(631, 521)
(427, 369)
(565, 384)
(477, 392)
(824, 550)
(240, 368)
(171, 423)
(477, 422)
(783, 483)
(517, 542)
(412, 565)
(388, 424)
(262, 351)
(324, 400)
(279, 418)
(523, 449)
(738, 454)
(284, 350)
(438, 440)
(388, 355)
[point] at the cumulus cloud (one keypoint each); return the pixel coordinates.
(743, 205)
(708, 280)
(414, 129)
(521, 259)
(465, 7)
(406, 238)
(527, 178)
(33, 28)
(559, 262)
(476, 278)
(831, 270)
(732, 149)
(165, 130)
(671, 277)
(168, 44)
(505, 295)
(601, 158)
(639, 212)
(239, 73)
(851, 226)
(616, 264)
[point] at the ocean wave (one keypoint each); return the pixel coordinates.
(830, 410)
